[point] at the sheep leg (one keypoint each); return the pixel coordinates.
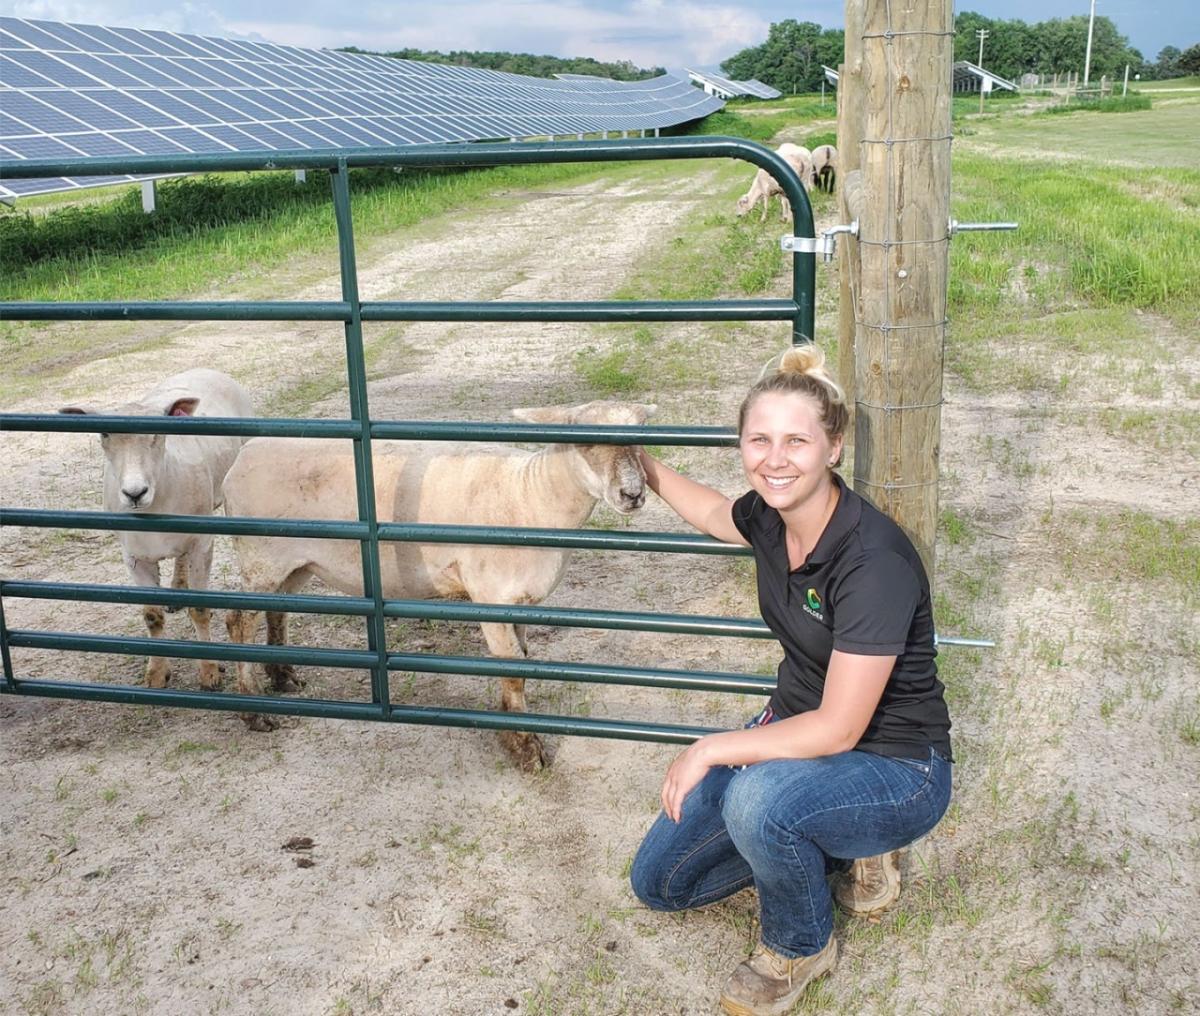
(525, 748)
(179, 580)
(243, 627)
(195, 568)
(283, 675)
(144, 572)
(785, 209)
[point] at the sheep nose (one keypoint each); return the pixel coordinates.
(636, 498)
(135, 495)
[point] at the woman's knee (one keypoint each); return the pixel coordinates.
(649, 878)
(747, 801)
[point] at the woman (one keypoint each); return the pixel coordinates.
(851, 757)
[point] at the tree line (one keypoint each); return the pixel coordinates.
(523, 63)
(791, 57)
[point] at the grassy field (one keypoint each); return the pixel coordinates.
(1163, 137)
(1063, 879)
(1191, 83)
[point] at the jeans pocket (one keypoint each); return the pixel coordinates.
(922, 766)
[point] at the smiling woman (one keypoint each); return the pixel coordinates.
(851, 758)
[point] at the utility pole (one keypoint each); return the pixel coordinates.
(983, 33)
(1087, 60)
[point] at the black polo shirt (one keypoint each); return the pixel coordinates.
(862, 590)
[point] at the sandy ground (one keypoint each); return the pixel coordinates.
(145, 852)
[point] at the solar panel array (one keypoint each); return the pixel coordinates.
(721, 84)
(72, 91)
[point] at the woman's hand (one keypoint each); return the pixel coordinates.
(684, 773)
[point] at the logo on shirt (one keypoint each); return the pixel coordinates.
(812, 604)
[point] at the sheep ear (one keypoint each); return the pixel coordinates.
(183, 407)
(543, 414)
(80, 410)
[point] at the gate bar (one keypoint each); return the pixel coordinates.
(431, 663)
(332, 709)
(406, 430)
(461, 155)
(427, 610)
(364, 467)
(482, 311)
(579, 539)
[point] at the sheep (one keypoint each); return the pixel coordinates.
(428, 482)
(765, 186)
(172, 474)
(824, 160)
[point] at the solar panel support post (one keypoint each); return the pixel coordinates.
(149, 196)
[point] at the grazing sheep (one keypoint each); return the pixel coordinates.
(824, 161)
(172, 474)
(765, 186)
(428, 482)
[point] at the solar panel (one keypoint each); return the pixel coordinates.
(73, 90)
(714, 81)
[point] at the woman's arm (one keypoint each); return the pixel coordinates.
(700, 506)
(853, 687)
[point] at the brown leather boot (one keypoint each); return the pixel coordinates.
(768, 984)
(871, 886)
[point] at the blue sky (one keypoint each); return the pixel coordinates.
(670, 33)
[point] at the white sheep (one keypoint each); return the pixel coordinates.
(428, 482)
(824, 163)
(172, 474)
(765, 186)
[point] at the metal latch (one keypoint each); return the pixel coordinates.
(824, 245)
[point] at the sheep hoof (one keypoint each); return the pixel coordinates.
(210, 677)
(525, 749)
(260, 722)
(158, 678)
(284, 679)
(173, 610)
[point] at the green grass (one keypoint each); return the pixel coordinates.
(1096, 230)
(1132, 103)
(1170, 84)
(208, 231)
(1134, 545)
(1162, 137)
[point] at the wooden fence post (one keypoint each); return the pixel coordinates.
(903, 247)
(849, 140)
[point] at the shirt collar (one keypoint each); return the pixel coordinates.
(841, 524)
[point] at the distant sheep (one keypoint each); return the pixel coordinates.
(825, 164)
(765, 186)
(172, 474)
(429, 482)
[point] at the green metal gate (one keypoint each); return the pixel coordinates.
(368, 530)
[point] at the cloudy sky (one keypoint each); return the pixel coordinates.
(670, 33)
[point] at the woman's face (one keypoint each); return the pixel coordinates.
(785, 450)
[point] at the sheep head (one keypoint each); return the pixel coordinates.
(743, 205)
(607, 472)
(133, 463)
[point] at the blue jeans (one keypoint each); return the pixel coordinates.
(781, 826)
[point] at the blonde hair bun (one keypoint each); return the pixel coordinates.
(807, 359)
